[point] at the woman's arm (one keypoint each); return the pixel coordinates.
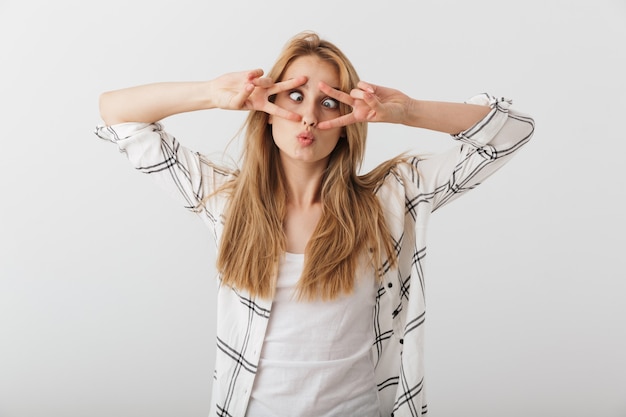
(374, 103)
(153, 102)
(445, 117)
(246, 90)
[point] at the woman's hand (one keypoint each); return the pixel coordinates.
(370, 103)
(248, 90)
(150, 103)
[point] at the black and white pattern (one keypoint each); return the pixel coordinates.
(409, 194)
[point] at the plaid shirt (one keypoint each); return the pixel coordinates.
(409, 194)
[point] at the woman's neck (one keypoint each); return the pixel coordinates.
(304, 182)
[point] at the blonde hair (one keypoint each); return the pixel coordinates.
(352, 224)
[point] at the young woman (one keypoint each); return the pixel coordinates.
(321, 301)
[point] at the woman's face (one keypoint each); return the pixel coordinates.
(302, 141)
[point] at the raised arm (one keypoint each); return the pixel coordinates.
(149, 103)
(372, 103)
(153, 102)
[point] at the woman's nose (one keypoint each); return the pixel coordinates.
(309, 118)
(308, 121)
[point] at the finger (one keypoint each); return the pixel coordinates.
(275, 110)
(357, 94)
(340, 121)
(370, 88)
(371, 100)
(239, 100)
(363, 89)
(336, 94)
(287, 84)
(263, 82)
(255, 73)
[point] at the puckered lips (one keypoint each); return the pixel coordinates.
(306, 138)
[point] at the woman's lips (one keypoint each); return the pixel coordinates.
(306, 138)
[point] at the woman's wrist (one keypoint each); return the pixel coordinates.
(448, 117)
(411, 113)
(207, 94)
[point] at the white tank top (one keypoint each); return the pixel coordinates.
(316, 358)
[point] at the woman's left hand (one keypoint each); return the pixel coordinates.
(370, 103)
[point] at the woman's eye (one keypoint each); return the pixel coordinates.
(296, 96)
(330, 103)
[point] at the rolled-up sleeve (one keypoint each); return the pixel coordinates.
(482, 150)
(189, 176)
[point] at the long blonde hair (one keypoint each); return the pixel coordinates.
(351, 225)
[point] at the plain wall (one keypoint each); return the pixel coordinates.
(107, 286)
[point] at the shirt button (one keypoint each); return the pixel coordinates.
(390, 285)
(401, 341)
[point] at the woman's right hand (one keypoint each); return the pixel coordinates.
(249, 90)
(246, 90)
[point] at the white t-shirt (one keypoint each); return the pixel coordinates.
(316, 357)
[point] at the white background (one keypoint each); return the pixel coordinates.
(106, 285)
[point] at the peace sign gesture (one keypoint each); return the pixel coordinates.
(248, 90)
(370, 103)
